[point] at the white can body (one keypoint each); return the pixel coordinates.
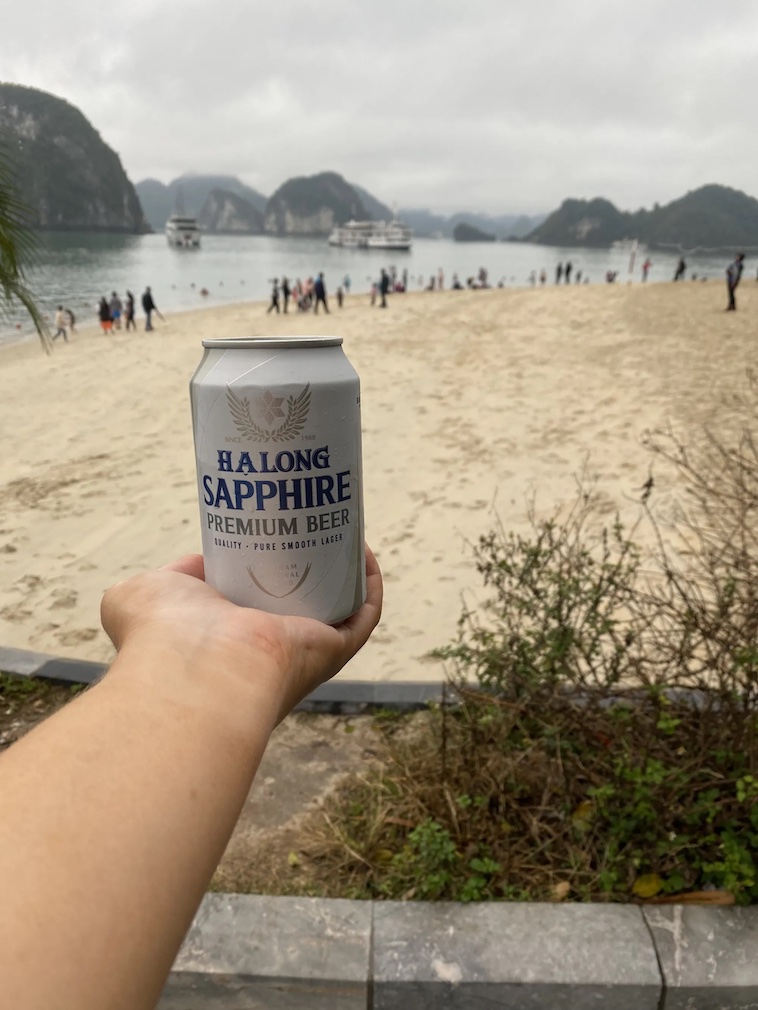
(278, 445)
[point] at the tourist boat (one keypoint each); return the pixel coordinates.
(372, 235)
(182, 232)
(391, 236)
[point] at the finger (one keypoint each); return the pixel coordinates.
(357, 629)
(188, 564)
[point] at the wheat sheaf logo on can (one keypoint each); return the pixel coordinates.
(267, 408)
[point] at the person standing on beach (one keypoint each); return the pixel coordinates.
(543, 276)
(60, 324)
(440, 279)
(681, 269)
(558, 273)
(285, 293)
(346, 284)
(319, 290)
(71, 320)
(116, 306)
(129, 311)
(104, 312)
(733, 276)
(567, 272)
(646, 268)
(384, 286)
(148, 307)
(274, 297)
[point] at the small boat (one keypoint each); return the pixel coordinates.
(182, 232)
(372, 235)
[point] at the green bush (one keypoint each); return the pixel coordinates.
(598, 740)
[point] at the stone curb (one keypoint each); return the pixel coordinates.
(337, 697)
(252, 951)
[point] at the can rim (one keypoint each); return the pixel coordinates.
(283, 343)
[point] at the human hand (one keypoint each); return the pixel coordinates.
(173, 608)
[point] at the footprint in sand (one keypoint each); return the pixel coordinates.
(15, 613)
(30, 583)
(64, 599)
(77, 635)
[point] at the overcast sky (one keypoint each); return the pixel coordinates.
(485, 105)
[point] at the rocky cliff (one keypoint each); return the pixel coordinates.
(226, 213)
(67, 175)
(188, 194)
(312, 205)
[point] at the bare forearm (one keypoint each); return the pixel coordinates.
(125, 800)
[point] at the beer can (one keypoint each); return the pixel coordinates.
(277, 431)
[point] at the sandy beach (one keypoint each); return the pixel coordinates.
(472, 402)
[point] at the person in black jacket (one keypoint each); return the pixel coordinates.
(104, 313)
(384, 286)
(274, 306)
(149, 307)
(319, 290)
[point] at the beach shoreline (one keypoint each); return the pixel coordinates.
(472, 402)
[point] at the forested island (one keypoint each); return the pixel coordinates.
(711, 217)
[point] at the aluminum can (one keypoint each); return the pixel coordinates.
(277, 431)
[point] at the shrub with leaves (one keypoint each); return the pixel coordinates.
(598, 740)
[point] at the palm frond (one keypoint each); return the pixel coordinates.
(17, 250)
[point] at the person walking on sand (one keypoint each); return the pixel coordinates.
(71, 320)
(148, 307)
(681, 269)
(129, 311)
(104, 312)
(567, 272)
(274, 297)
(319, 290)
(646, 268)
(558, 273)
(733, 276)
(60, 324)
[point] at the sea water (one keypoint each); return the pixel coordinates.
(77, 270)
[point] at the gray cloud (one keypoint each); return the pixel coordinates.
(485, 105)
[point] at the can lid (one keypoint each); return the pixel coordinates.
(282, 343)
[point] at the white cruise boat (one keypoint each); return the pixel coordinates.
(391, 236)
(373, 235)
(352, 234)
(182, 232)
